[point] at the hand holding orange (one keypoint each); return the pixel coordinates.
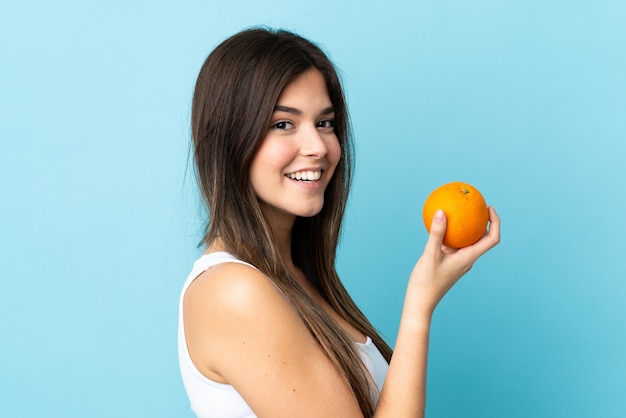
(466, 212)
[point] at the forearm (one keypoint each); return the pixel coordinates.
(439, 268)
(404, 391)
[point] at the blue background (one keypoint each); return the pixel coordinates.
(99, 217)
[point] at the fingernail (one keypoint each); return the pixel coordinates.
(439, 216)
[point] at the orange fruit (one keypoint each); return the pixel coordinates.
(465, 209)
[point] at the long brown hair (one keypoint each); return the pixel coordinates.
(235, 94)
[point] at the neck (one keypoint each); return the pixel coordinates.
(281, 225)
(282, 235)
(283, 243)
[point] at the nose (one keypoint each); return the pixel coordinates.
(313, 143)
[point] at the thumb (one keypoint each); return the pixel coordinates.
(437, 231)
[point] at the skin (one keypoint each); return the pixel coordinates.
(300, 139)
(240, 330)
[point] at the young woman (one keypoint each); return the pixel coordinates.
(266, 328)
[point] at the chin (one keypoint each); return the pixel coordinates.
(310, 212)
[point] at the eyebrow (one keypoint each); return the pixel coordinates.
(293, 110)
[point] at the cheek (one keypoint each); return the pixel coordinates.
(334, 152)
(274, 153)
(270, 159)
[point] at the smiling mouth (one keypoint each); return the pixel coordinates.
(305, 175)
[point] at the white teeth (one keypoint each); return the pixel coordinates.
(305, 175)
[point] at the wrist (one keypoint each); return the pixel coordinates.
(418, 322)
(419, 307)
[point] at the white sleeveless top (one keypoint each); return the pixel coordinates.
(211, 399)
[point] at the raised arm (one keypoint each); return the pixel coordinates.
(240, 330)
(437, 270)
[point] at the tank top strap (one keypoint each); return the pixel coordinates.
(209, 260)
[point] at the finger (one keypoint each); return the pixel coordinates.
(437, 232)
(494, 226)
(448, 250)
(491, 238)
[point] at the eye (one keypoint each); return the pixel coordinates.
(283, 125)
(326, 124)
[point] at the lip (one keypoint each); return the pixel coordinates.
(307, 185)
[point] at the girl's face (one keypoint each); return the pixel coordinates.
(300, 151)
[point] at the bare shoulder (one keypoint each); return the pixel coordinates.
(230, 288)
(229, 305)
(242, 331)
